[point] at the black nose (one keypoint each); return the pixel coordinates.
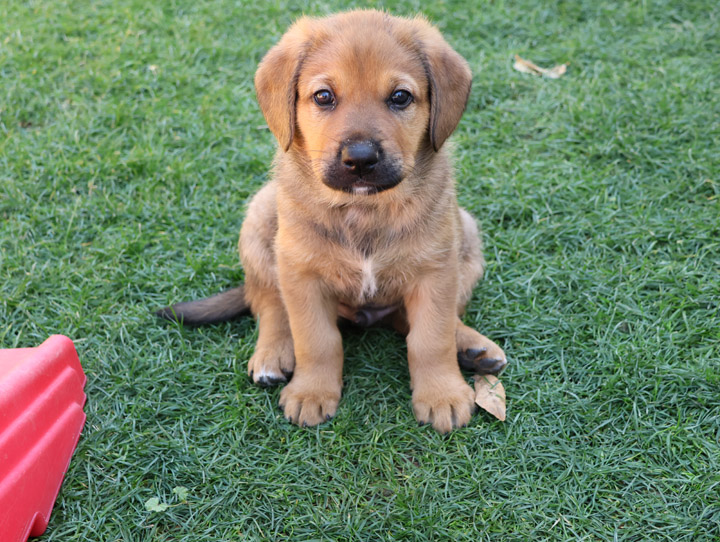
(360, 157)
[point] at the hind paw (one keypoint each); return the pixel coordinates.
(271, 366)
(486, 359)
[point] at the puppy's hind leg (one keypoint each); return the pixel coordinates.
(274, 357)
(475, 351)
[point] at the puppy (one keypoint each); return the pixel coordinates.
(360, 219)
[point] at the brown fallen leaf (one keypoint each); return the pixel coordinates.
(490, 395)
(526, 66)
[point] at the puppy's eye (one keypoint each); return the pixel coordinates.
(324, 98)
(400, 99)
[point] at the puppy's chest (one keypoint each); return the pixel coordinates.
(363, 276)
(369, 278)
(360, 280)
(364, 264)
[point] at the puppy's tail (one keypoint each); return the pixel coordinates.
(211, 310)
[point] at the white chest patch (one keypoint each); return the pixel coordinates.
(369, 286)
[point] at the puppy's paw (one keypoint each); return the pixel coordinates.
(270, 366)
(483, 358)
(308, 405)
(446, 404)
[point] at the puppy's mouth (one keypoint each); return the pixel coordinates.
(364, 188)
(362, 168)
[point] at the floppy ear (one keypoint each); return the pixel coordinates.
(449, 78)
(276, 83)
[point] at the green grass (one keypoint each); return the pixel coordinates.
(130, 142)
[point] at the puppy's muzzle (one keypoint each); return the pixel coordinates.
(361, 167)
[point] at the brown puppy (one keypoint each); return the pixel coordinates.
(360, 219)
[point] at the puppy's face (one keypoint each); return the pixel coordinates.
(362, 113)
(363, 99)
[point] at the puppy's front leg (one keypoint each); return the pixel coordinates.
(313, 394)
(440, 395)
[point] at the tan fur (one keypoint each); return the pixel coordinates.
(309, 248)
(312, 252)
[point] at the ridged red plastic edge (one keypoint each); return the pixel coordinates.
(41, 418)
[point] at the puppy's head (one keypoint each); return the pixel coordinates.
(363, 97)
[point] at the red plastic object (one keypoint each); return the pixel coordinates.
(41, 417)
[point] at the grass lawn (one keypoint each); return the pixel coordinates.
(130, 143)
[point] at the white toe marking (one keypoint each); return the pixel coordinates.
(264, 372)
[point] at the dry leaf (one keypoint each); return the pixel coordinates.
(526, 66)
(490, 395)
(557, 71)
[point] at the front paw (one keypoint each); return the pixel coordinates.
(270, 366)
(306, 405)
(446, 404)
